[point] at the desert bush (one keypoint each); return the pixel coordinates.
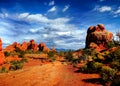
(107, 74)
(84, 68)
(89, 54)
(3, 69)
(61, 54)
(52, 55)
(6, 54)
(113, 56)
(29, 51)
(106, 63)
(69, 55)
(116, 80)
(92, 67)
(110, 44)
(20, 52)
(115, 65)
(15, 65)
(100, 56)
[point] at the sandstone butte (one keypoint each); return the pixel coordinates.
(98, 37)
(2, 57)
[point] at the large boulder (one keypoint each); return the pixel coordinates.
(98, 37)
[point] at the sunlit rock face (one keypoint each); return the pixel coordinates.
(2, 57)
(97, 37)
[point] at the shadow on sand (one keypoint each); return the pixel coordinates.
(90, 80)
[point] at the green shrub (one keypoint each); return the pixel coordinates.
(6, 54)
(92, 67)
(115, 65)
(69, 55)
(20, 52)
(110, 44)
(15, 65)
(3, 69)
(113, 56)
(61, 54)
(84, 68)
(52, 55)
(96, 66)
(107, 74)
(116, 80)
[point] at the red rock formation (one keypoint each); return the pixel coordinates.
(42, 47)
(0, 44)
(11, 47)
(32, 45)
(24, 46)
(97, 37)
(2, 57)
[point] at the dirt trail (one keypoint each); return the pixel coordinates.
(51, 74)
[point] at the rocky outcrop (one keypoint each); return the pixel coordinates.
(31, 45)
(2, 57)
(24, 46)
(98, 37)
(42, 47)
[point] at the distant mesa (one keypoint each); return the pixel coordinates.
(98, 37)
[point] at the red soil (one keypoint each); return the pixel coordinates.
(35, 73)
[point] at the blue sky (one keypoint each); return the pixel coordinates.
(58, 23)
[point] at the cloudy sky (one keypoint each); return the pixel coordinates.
(58, 23)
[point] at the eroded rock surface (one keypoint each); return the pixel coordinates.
(98, 37)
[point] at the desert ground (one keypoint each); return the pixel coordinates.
(37, 73)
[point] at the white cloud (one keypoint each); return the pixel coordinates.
(117, 12)
(37, 18)
(34, 30)
(52, 29)
(56, 32)
(23, 15)
(51, 3)
(52, 9)
(4, 15)
(103, 8)
(64, 33)
(66, 8)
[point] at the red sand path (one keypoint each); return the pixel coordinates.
(50, 74)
